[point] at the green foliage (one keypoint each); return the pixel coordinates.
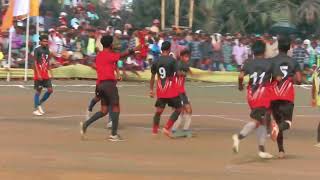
(232, 15)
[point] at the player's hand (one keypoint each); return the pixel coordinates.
(240, 87)
(313, 103)
(119, 78)
(151, 94)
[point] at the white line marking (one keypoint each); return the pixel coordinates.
(308, 87)
(142, 115)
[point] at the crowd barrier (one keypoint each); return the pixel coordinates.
(79, 71)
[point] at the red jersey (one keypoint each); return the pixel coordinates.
(286, 68)
(106, 64)
(41, 62)
(166, 70)
(183, 68)
(259, 88)
(259, 97)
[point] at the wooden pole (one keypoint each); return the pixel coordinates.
(191, 13)
(176, 13)
(163, 14)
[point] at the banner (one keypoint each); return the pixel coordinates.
(21, 7)
(8, 17)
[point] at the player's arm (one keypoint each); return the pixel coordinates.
(152, 79)
(129, 52)
(119, 77)
(240, 80)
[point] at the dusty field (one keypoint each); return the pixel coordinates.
(49, 147)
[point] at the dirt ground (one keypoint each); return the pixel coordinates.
(49, 147)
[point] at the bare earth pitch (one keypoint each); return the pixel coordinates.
(50, 148)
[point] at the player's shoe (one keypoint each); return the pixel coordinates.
(167, 132)
(265, 155)
(274, 130)
(281, 155)
(37, 113)
(82, 130)
(236, 143)
(41, 110)
(317, 145)
(109, 125)
(115, 138)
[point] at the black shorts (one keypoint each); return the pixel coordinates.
(259, 114)
(172, 102)
(107, 91)
(39, 84)
(282, 110)
(184, 99)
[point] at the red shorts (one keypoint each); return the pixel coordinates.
(260, 98)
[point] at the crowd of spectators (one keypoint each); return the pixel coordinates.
(74, 37)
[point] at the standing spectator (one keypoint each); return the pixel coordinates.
(227, 52)
(117, 41)
(217, 51)
(239, 53)
(75, 22)
(155, 50)
(49, 21)
(271, 47)
(207, 53)
(300, 55)
(195, 51)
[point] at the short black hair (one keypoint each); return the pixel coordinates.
(106, 41)
(284, 44)
(166, 45)
(185, 52)
(43, 37)
(258, 47)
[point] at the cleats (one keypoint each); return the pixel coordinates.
(281, 155)
(167, 132)
(41, 110)
(115, 138)
(265, 155)
(37, 113)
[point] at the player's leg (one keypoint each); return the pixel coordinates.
(247, 129)
(280, 145)
(93, 102)
(187, 116)
(47, 94)
(46, 84)
(103, 111)
(176, 104)
(36, 98)
(109, 124)
(286, 108)
(160, 105)
(115, 113)
(178, 122)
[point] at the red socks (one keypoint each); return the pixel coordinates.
(169, 124)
